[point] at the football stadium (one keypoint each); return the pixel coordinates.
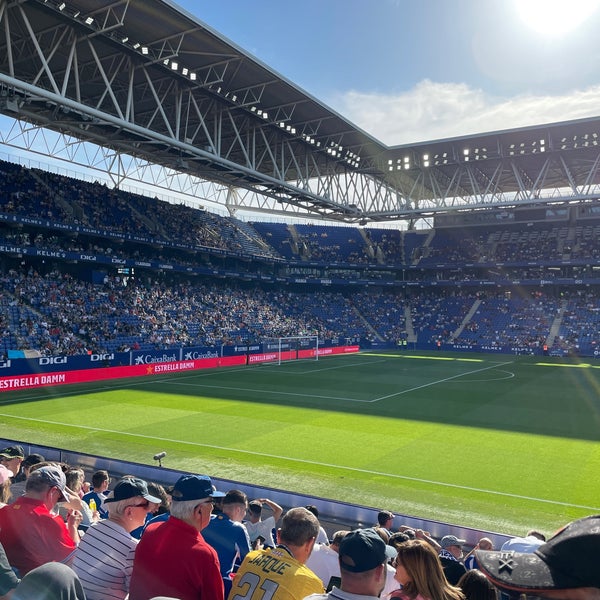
(230, 276)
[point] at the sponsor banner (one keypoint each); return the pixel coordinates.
(241, 349)
(148, 357)
(199, 352)
(50, 364)
(34, 380)
(24, 382)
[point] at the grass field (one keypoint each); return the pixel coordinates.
(500, 443)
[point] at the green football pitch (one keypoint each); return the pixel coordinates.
(501, 443)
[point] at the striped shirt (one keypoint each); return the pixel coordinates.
(104, 561)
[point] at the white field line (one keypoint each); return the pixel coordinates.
(360, 364)
(420, 387)
(303, 461)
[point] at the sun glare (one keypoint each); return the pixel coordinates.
(555, 17)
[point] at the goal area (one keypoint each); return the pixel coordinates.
(296, 347)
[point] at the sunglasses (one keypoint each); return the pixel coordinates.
(144, 505)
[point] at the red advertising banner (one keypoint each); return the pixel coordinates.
(23, 382)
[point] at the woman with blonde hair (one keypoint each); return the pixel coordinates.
(419, 572)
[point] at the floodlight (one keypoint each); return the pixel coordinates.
(136, 46)
(124, 40)
(89, 20)
(174, 66)
(144, 50)
(62, 6)
(193, 76)
(184, 71)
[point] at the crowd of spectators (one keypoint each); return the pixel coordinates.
(64, 200)
(57, 313)
(142, 541)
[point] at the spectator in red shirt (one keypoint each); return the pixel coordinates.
(30, 533)
(172, 558)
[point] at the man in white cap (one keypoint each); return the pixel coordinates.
(450, 556)
(30, 533)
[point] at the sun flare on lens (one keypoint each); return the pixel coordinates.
(555, 17)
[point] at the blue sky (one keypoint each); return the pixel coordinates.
(414, 70)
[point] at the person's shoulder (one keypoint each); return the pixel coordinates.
(317, 597)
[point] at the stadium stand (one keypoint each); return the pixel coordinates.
(486, 287)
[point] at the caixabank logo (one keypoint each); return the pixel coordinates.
(148, 359)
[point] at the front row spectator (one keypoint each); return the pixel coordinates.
(565, 567)
(30, 533)
(172, 558)
(281, 571)
(256, 526)
(12, 457)
(451, 554)
(104, 558)
(97, 495)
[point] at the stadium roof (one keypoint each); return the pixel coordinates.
(149, 80)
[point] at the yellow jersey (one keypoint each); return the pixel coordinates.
(273, 574)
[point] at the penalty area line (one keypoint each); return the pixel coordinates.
(306, 462)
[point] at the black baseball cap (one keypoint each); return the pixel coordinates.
(131, 487)
(12, 452)
(362, 550)
(569, 559)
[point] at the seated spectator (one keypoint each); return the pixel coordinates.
(154, 510)
(420, 573)
(18, 485)
(470, 561)
(451, 554)
(324, 561)
(264, 528)
(530, 543)
(30, 533)
(565, 567)
(362, 559)
(8, 578)
(74, 477)
(226, 534)
(282, 570)
(12, 457)
(5, 493)
(385, 520)
(51, 581)
(100, 483)
(322, 537)
(476, 586)
(172, 558)
(104, 558)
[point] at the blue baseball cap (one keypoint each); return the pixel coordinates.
(194, 487)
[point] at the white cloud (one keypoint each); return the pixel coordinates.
(433, 111)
